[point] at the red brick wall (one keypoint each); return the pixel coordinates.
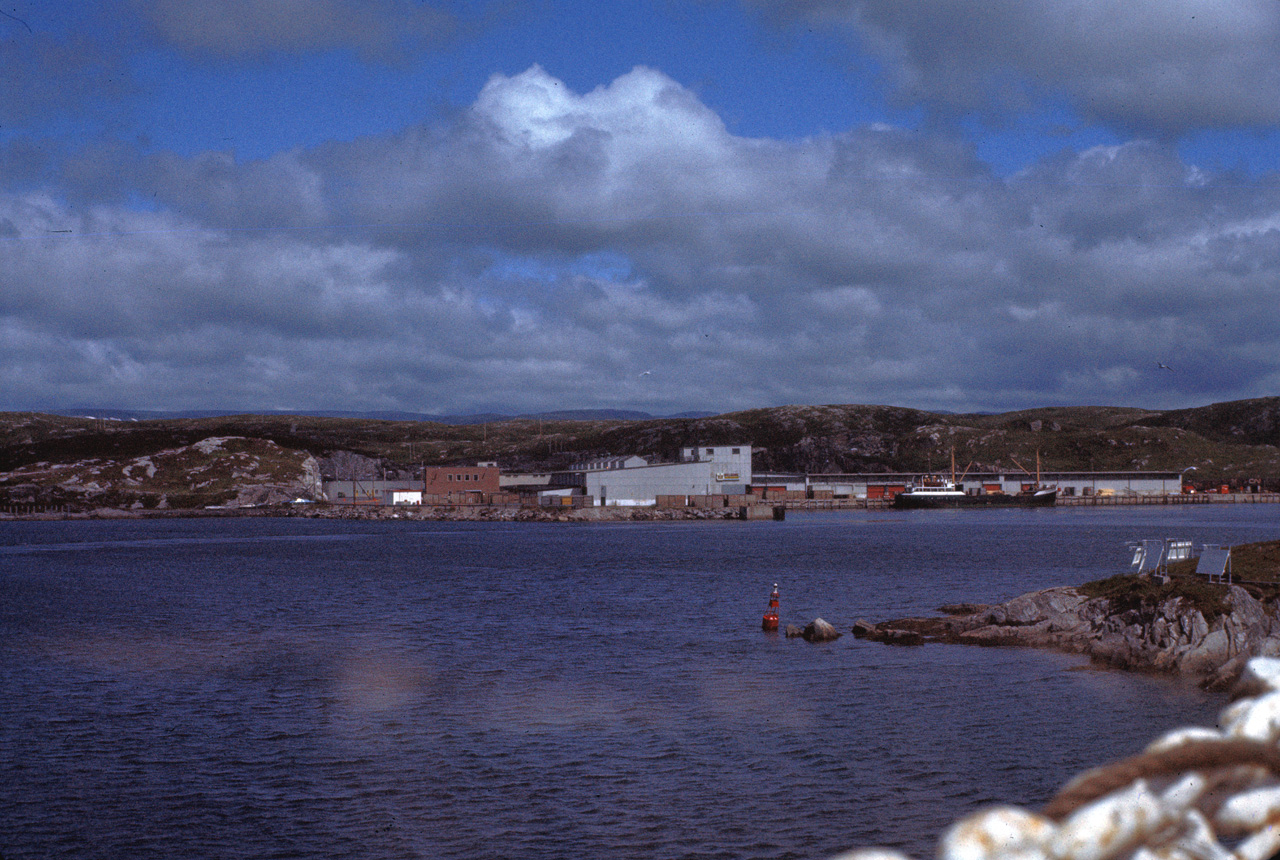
(440, 480)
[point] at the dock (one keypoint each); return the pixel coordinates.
(1117, 499)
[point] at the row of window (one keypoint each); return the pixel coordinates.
(464, 477)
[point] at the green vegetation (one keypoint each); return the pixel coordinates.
(1255, 565)
(1250, 562)
(1129, 592)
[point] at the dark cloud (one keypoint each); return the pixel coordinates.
(544, 247)
(50, 75)
(378, 30)
(1156, 67)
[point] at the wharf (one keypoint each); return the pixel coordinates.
(1063, 501)
(1174, 499)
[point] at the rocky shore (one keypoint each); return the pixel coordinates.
(480, 513)
(460, 513)
(1210, 643)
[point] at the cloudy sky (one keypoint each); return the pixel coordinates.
(476, 206)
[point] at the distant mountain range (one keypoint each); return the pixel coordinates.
(457, 420)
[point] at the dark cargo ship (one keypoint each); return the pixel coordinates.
(933, 491)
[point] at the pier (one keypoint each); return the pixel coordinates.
(1173, 499)
(1063, 501)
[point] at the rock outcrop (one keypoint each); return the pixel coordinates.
(1172, 636)
(224, 471)
(819, 630)
(816, 630)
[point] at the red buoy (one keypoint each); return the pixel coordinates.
(770, 621)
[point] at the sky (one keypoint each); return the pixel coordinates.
(710, 205)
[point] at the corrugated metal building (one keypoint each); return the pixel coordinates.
(370, 492)
(701, 471)
(881, 485)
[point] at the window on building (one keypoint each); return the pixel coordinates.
(710, 451)
(737, 450)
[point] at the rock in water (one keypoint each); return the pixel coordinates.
(818, 630)
(1172, 636)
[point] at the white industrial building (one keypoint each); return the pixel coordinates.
(701, 471)
(605, 463)
(881, 485)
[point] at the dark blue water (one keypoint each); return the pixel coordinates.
(302, 688)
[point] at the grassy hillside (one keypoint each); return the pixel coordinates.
(1227, 443)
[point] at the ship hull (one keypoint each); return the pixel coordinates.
(918, 501)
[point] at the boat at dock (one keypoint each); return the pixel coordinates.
(934, 491)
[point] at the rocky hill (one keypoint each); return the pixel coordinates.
(214, 471)
(49, 459)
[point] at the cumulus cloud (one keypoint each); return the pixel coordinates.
(1157, 66)
(544, 246)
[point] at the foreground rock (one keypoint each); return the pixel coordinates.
(1171, 636)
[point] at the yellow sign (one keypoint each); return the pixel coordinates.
(726, 476)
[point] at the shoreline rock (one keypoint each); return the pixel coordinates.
(477, 513)
(817, 630)
(820, 630)
(1172, 637)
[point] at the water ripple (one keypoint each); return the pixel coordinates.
(212, 689)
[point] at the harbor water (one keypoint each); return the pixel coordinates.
(254, 688)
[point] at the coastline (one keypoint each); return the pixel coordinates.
(468, 513)
(507, 513)
(1207, 641)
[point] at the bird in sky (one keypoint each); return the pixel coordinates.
(646, 373)
(1162, 366)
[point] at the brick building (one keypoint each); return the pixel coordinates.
(443, 480)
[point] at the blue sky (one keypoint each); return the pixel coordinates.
(465, 207)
